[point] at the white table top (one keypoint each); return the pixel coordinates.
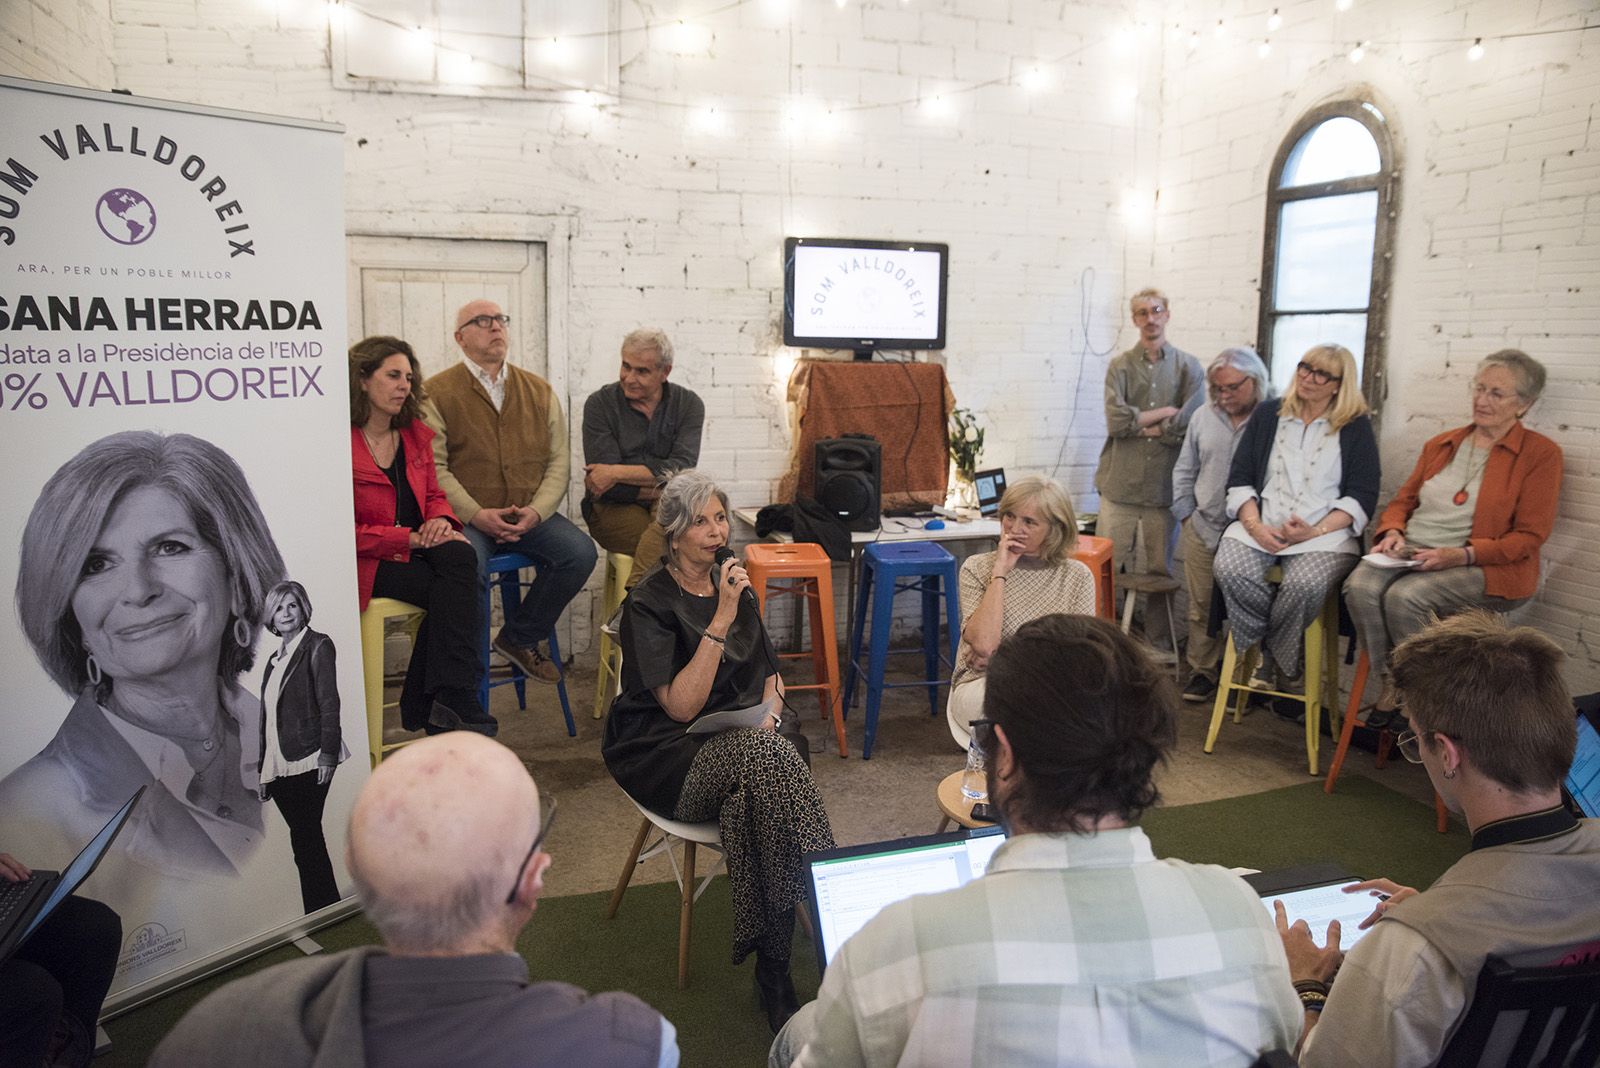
(899, 529)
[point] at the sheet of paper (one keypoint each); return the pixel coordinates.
(729, 719)
(1320, 904)
(1385, 560)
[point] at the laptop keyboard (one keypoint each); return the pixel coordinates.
(12, 897)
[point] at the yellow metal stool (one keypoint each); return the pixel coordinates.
(608, 673)
(1321, 674)
(373, 622)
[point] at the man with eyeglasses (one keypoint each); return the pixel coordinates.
(437, 835)
(1077, 945)
(1151, 390)
(1238, 380)
(636, 431)
(500, 447)
(1491, 720)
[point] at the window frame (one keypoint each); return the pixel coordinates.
(1386, 183)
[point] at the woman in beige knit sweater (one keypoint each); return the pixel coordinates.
(1031, 574)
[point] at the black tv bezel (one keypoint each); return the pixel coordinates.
(860, 344)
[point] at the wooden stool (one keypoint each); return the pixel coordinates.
(805, 571)
(1096, 554)
(378, 612)
(1149, 582)
(1358, 687)
(1321, 670)
(608, 674)
(956, 805)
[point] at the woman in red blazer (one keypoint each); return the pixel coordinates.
(1465, 529)
(409, 545)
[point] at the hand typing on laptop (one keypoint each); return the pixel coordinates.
(13, 870)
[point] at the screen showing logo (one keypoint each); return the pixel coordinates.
(125, 216)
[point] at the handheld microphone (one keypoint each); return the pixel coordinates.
(722, 556)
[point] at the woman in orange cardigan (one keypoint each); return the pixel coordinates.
(409, 544)
(1465, 529)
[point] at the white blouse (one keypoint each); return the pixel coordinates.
(1303, 476)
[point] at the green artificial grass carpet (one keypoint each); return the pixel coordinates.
(1367, 827)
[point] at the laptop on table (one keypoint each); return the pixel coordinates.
(25, 905)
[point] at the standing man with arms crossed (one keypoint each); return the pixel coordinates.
(1236, 380)
(500, 446)
(636, 431)
(1148, 390)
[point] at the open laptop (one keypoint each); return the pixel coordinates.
(1583, 778)
(991, 486)
(850, 885)
(25, 905)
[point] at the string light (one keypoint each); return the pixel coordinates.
(710, 120)
(1475, 53)
(1343, 5)
(1359, 52)
(1264, 49)
(1034, 78)
(337, 15)
(1274, 21)
(1193, 42)
(938, 107)
(1219, 31)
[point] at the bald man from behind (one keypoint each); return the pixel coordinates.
(445, 848)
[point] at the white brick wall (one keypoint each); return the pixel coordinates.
(1497, 243)
(678, 227)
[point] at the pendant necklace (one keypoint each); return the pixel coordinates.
(1461, 494)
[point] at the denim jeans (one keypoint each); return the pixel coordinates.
(563, 556)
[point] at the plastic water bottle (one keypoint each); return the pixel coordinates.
(974, 782)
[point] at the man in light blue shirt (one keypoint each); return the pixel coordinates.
(1236, 380)
(1077, 945)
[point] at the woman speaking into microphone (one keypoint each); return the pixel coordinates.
(692, 645)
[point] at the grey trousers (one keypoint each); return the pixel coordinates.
(1391, 604)
(1204, 652)
(1147, 530)
(1278, 615)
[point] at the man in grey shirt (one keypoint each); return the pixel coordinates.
(1236, 381)
(438, 836)
(635, 431)
(1151, 390)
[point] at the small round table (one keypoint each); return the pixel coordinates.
(956, 805)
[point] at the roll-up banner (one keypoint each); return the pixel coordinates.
(179, 547)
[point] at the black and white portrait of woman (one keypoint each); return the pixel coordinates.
(144, 571)
(300, 740)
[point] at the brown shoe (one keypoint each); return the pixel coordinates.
(533, 663)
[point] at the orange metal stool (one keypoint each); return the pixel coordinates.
(1358, 687)
(1095, 553)
(805, 571)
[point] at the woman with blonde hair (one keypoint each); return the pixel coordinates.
(1031, 574)
(1302, 487)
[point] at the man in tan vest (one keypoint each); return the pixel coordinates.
(500, 447)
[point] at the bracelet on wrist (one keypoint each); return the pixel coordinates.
(1311, 986)
(997, 578)
(713, 637)
(1312, 1002)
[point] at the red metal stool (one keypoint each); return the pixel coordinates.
(805, 571)
(1358, 687)
(1095, 554)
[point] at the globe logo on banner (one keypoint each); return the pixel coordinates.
(125, 216)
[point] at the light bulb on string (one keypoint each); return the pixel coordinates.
(336, 13)
(1218, 31)
(1274, 21)
(1033, 79)
(1475, 53)
(1193, 41)
(1359, 52)
(1264, 49)
(1343, 5)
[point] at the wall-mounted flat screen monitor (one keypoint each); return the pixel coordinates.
(843, 293)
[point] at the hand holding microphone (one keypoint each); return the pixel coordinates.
(732, 575)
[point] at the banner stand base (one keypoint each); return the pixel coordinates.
(307, 945)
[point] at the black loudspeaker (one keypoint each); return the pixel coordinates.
(849, 479)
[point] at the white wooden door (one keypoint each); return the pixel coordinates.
(412, 287)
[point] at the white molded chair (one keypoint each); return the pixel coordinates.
(669, 832)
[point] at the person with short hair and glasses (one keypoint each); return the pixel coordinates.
(1471, 519)
(1077, 945)
(500, 446)
(1238, 381)
(1301, 488)
(437, 834)
(1489, 716)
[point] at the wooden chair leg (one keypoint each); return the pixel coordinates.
(803, 914)
(627, 869)
(686, 915)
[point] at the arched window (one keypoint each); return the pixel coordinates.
(1330, 221)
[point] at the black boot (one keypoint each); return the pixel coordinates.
(776, 990)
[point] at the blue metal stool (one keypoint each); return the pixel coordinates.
(925, 566)
(504, 572)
